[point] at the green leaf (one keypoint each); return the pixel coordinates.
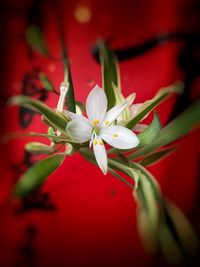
(46, 83)
(168, 244)
(151, 104)
(35, 40)
(158, 224)
(55, 118)
(145, 194)
(117, 175)
(151, 132)
(38, 148)
(182, 230)
(110, 72)
(35, 176)
(56, 139)
(176, 235)
(156, 156)
(148, 213)
(176, 129)
(71, 103)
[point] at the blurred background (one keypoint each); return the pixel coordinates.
(81, 217)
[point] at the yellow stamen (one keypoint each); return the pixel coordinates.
(95, 142)
(115, 135)
(95, 122)
(107, 122)
(101, 142)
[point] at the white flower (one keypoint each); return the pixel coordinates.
(98, 127)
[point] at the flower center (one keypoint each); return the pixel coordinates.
(95, 122)
(96, 130)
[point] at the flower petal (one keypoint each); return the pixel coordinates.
(96, 105)
(119, 137)
(79, 130)
(114, 112)
(75, 116)
(100, 154)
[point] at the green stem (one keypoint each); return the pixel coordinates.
(113, 164)
(9, 136)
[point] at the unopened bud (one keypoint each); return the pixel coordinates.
(38, 148)
(63, 91)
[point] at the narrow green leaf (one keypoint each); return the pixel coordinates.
(110, 72)
(158, 224)
(13, 135)
(148, 237)
(35, 40)
(46, 83)
(113, 165)
(122, 164)
(151, 104)
(185, 235)
(145, 194)
(176, 235)
(156, 156)
(117, 175)
(55, 118)
(176, 129)
(35, 176)
(71, 103)
(168, 244)
(151, 132)
(38, 148)
(148, 213)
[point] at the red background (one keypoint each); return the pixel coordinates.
(93, 223)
